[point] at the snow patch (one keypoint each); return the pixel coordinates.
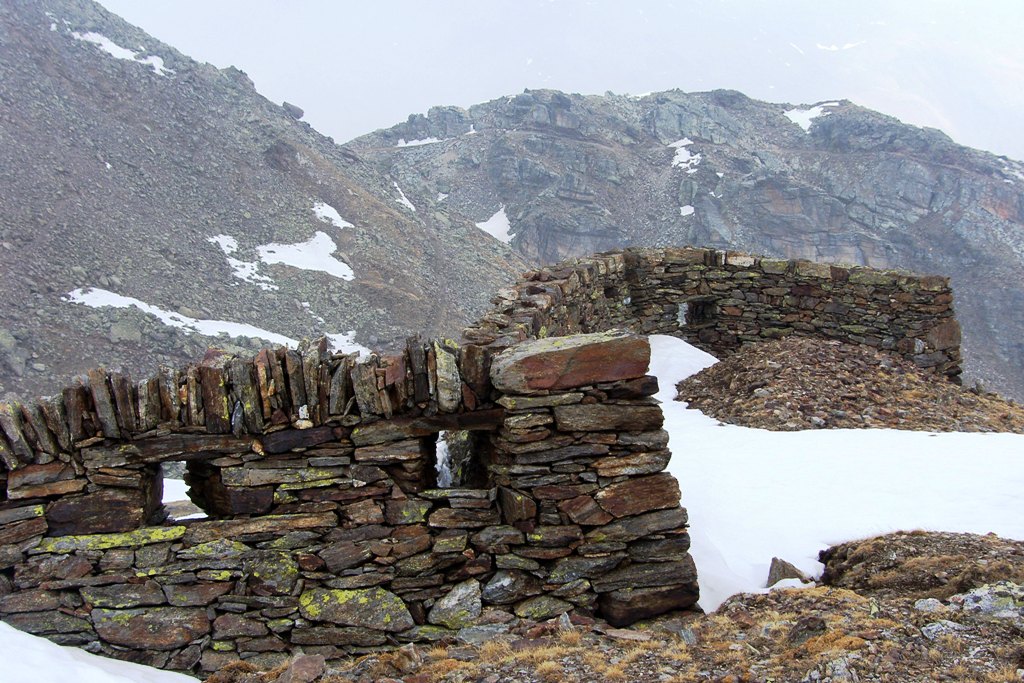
(345, 342)
(247, 271)
(471, 131)
(441, 196)
(227, 243)
(416, 143)
(402, 199)
(174, 490)
(498, 226)
(101, 298)
(805, 117)
(686, 210)
(313, 254)
(1016, 170)
(443, 462)
(329, 214)
(683, 158)
(823, 486)
(30, 658)
(118, 52)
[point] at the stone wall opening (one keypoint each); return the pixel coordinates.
(177, 492)
(459, 459)
(697, 312)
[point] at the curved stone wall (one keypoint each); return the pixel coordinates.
(720, 300)
(326, 528)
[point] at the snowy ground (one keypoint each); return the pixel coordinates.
(751, 494)
(28, 659)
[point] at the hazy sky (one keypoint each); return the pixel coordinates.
(355, 66)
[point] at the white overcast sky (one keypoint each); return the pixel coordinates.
(356, 66)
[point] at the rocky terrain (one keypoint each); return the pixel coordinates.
(800, 383)
(900, 608)
(121, 159)
(835, 182)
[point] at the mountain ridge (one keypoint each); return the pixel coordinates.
(832, 182)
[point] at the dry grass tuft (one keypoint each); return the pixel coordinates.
(1007, 674)
(570, 637)
(550, 671)
(495, 651)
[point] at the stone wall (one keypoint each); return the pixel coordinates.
(719, 300)
(326, 529)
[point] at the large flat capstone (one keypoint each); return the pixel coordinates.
(568, 362)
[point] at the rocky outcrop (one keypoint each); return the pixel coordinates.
(920, 565)
(582, 174)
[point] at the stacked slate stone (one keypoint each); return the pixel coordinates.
(591, 519)
(318, 471)
(327, 531)
(577, 296)
(719, 300)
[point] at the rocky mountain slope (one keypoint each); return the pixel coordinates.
(129, 168)
(834, 182)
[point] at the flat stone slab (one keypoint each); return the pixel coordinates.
(567, 362)
(373, 608)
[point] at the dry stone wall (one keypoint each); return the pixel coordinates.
(719, 300)
(326, 528)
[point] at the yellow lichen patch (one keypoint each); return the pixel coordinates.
(129, 539)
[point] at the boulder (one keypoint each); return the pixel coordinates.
(292, 110)
(628, 605)
(780, 569)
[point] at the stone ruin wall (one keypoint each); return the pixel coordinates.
(326, 530)
(719, 300)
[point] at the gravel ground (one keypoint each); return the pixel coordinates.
(800, 383)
